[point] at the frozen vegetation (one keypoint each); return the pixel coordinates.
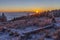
(31, 28)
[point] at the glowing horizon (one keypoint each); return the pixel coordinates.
(28, 5)
(22, 10)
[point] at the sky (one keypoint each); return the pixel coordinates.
(28, 5)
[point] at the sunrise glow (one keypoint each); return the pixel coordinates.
(37, 11)
(28, 5)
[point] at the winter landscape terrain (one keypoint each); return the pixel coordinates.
(33, 27)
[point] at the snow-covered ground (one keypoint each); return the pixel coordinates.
(41, 35)
(36, 36)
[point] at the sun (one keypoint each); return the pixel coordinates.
(37, 11)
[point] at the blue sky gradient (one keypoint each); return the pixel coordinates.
(28, 4)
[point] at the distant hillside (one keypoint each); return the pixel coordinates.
(56, 13)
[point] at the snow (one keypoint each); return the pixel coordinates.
(57, 18)
(57, 24)
(6, 36)
(48, 39)
(28, 29)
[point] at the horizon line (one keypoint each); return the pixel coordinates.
(31, 11)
